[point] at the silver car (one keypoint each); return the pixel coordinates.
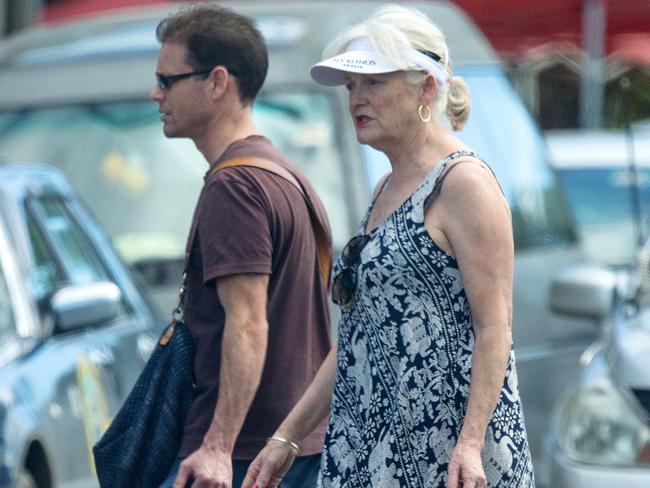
(600, 435)
(75, 331)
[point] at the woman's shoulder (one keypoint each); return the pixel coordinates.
(465, 170)
(463, 155)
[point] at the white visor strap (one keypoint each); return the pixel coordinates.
(428, 64)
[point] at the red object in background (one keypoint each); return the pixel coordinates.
(512, 26)
(61, 10)
(516, 26)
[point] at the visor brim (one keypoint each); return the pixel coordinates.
(333, 71)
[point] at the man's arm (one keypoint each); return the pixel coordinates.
(243, 352)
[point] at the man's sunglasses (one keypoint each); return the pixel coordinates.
(164, 82)
(344, 285)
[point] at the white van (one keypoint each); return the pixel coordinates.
(76, 95)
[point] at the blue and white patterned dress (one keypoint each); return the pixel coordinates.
(404, 364)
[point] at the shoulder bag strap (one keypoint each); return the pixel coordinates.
(323, 249)
(322, 246)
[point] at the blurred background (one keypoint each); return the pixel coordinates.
(566, 58)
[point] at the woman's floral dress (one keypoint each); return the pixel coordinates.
(404, 364)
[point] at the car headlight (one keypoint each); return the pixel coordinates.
(597, 425)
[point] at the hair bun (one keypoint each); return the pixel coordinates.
(458, 102)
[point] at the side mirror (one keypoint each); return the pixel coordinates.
(77, 306)
(585, 292)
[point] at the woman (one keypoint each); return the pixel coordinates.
(424, 383)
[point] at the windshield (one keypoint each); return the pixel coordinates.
(603, 203)
(502, 132)
(143, 186)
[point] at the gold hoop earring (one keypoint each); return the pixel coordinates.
(422, 117)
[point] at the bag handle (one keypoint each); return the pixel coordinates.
(322, 242)
(322, 246)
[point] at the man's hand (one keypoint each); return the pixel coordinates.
(208, 467)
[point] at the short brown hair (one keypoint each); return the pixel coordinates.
(217, 36)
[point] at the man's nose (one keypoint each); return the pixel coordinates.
(156, 93)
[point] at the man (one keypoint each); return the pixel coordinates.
(255, 303)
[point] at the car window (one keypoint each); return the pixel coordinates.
(48, 275)
(63, 253)
(606, 174)
(7, 322)
(603, 203)
(74, 249)
(142, 186)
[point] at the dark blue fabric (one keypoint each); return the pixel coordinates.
(302, 474)
(171, 476)
(143, 439)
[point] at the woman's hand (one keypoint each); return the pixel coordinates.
(270, 465)
(465, 466)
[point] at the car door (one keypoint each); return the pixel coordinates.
(53, 368)
(107, 356)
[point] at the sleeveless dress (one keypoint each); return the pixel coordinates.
(404, 364)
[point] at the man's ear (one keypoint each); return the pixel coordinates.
(429, 90)
(218, 81)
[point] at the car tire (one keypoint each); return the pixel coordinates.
(26, 480)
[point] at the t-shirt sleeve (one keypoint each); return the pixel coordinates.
(234, 230)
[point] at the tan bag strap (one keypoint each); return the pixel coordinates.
(260, 163)
(322, 242)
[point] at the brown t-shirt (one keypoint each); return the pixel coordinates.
(253, 221)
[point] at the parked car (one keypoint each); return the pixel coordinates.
(600, 433)
(75, 331)
(77, 95)
(606, 174)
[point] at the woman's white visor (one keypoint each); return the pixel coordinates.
(332, 71)
(362, 58)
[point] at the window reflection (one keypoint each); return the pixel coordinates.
(48, 275)
(6, 313)
(602, 201)
(142, 186)
(74, 250)
(62, 251)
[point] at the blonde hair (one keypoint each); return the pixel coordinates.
(393, 28)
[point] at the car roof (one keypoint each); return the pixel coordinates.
(112, 55)
(598, 148)
(19, 178)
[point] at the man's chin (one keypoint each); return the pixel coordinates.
(169, 131)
